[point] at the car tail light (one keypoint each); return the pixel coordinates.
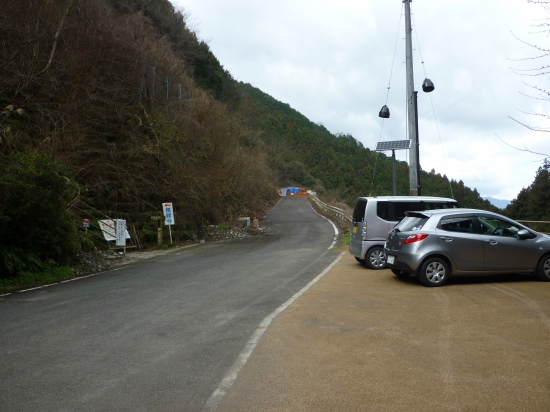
(416, 238)
(363, 230)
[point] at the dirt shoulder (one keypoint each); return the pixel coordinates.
(362, 340)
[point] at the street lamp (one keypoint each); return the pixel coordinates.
(384, 112)
(427, 87)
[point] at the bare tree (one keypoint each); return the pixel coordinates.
(542, 54)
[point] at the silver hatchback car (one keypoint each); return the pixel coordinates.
(436, 244)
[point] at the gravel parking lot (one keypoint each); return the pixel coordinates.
(362, 340)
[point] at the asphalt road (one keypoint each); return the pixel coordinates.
(362, 340)
(157, 335)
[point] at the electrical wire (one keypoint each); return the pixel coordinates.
(435, 118)
(387, 95)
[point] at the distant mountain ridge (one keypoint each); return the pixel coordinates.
(500, 203)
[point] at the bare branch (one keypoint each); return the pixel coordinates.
(522, 150)
(546, 116)
(56, 37)
(535, 129)
(546, 51)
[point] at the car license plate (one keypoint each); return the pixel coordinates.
(391, 259)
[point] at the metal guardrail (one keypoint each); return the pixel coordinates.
(534, 223)
(334, 211)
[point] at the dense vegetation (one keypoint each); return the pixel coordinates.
(111, 107)
(106, 95)
(533, 202)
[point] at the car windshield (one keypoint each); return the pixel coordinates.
(411, 223)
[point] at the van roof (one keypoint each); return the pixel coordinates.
(404, 198)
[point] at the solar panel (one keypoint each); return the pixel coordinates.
(393, 145)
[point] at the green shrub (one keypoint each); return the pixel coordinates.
(36, 228)
(346, 238)
(30, 279)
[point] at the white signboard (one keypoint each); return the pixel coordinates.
(120, 232)
(108, 227)
(168, 214)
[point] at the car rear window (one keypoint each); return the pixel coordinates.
(359, 210)
(411, 223)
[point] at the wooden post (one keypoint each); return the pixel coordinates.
(159, 230)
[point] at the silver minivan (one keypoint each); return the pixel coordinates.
(374, 217)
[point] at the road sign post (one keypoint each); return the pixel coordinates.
(121, 234)
(169, 217)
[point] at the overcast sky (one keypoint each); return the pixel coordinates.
(332, 60)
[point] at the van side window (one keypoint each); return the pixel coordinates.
(382, 210)
(399, 209)
(434, 205)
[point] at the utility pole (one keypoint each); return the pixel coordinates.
(413, 153)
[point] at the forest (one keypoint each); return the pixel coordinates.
(110, 107)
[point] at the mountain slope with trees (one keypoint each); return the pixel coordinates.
(111, 107)
(105, 97)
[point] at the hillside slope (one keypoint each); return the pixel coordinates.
(121, 107)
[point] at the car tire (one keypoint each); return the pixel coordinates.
(375, 258)
(362, 261)
(543, 269)
(434, 272)
(400, 273)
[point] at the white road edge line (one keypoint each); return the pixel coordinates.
(38, 287)
(231, 375)
(333, 225)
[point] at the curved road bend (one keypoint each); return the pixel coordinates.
(158, 335)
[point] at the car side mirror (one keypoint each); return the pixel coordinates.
(524, 234)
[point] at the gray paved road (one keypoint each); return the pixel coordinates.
(158, 335)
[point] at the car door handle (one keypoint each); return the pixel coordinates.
(492, 242)
(446, 239)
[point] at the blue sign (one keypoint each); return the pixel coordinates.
(168, 214)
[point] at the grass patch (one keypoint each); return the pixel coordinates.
(30, 279)
(346, 238)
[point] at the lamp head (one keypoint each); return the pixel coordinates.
(384, 112)
(428, 86)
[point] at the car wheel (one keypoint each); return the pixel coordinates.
(434, 272)
(362, 261)
(376, 258)
(543, 271)
(400, 273)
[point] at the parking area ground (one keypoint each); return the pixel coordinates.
(362, 340)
